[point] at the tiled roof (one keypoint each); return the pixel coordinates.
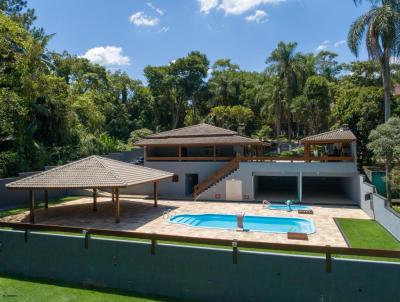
(195, 130)
(91, 172)
(342, 134)
(201, 134)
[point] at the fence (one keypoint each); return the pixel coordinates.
(197, 273)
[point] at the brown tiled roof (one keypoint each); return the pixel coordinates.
(91, 172)
(195, 130)
(201, 134)
(339, 135)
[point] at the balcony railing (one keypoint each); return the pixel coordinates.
(257, 158)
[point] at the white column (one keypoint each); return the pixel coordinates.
(300, 186)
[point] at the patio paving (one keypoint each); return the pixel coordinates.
(138, 214)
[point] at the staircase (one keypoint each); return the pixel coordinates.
(217, 176)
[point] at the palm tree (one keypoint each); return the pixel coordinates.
(381, 28)
(283, 62)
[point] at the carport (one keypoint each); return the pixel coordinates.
(93, 172)
(276, 188)
(327, 190)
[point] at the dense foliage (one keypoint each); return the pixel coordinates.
(56, 107)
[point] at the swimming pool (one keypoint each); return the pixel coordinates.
(251, 223)
(284, 207)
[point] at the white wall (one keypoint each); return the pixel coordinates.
(248, 169)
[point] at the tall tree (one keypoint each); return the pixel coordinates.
(381, 29)
(282, 62)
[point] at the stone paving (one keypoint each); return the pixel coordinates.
(140, 215)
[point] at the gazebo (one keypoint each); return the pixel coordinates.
(93, 172)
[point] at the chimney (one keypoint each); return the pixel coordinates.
(344, 127)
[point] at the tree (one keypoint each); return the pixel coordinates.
(178, 83)
(230, 117)
(381, 28)
(384, 143)
(283, 62)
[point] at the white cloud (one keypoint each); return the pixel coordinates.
(163, 29)
(233, 7)
(141, 19)
(340, 43)
(109, 55)
(153, 7)
(207, 5)
(259, 16)
(324, 45)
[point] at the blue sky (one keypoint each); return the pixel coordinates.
(131, 34)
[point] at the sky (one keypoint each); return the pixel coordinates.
(131, 34)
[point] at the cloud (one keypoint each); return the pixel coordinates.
(259, 16)
(233, 7)
(340, 43)
(207, 5)
(141, 19)
(109, 55)
(163, 29)
(324, 45)
(156, 9)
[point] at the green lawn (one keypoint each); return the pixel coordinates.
(396, 208)
(6, 213)
(32, 290)
(368, 234)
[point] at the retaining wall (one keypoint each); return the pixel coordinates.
(194, 273)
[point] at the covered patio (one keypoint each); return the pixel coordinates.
(94, 173)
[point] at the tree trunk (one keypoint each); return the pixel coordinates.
(387, 85)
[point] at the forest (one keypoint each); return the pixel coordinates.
(56, 107)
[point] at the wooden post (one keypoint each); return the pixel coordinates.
(116, 205)
(112, 195)
(306, 152)
(180, 152)
(145, 153)
(46, 199)
(32, 206)
(215, 152)
(155, 192)
(94, 200)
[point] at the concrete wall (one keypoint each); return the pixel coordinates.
(378, 209)
(366, 189)
(194, 273)
(169, 188)
(248, 169)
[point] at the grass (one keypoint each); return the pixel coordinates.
(28, 290)
(397, 208)
(369, 234)
(5, 213)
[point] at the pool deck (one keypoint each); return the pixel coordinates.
(138, 214)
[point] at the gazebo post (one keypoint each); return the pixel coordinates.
(112, 195)
(155, 193)
(31, 206)
(94, 200)
(116, 205)
(46, 199)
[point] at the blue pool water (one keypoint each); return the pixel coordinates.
(284, 207)
(251, 223)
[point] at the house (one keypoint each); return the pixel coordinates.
(212, 163)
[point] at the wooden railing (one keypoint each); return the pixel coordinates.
(216, 176)
(295, 158)
(234, 244)
(257, 158)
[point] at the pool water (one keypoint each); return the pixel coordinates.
(284, 207)
(251, 223)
